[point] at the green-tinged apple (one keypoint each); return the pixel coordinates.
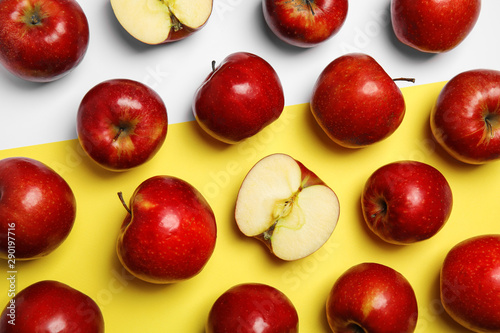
(405, 202)
(373, 298)
(470, 284)
(286, 206)
(42, 40)
(465, 119)
(253, 308)
(169, 233)
(238, 98)
(37, 209)
(162, 21)
(434, 26)
(121, 124)
(51, 306)
(305, 23)
(355, 101)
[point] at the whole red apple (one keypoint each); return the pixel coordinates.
(305, 23)
(465, 119)
(355, 102)
(51, 306)
(239, 98)
(42, 40)
(37, 209)
(371, 297)
(169, 233)
(121, 124)
(253, 308)
(406, 201)
(434, 26)
(470, 284)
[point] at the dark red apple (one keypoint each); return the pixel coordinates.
(355, 101)
(305, 23)
(253, 308)
(42, 40)
(406, 201)
(434, 26)
(51, 306)
(37, 209)
(169, 233)
(470, 283)
(374, 298)
(239, 98)
(121, 124)
(465, 119)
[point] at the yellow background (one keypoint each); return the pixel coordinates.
(87, 260)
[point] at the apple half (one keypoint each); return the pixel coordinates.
(161, 21)
(287, 206)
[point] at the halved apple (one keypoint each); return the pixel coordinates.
(161, 21)
(287, 206)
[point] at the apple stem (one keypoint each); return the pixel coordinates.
(409, 79)
(120, 195)
(308, 2)
(120, 131)
(213, 65)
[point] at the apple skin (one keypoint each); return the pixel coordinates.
(374, 298)
(62, 32)
(52, 306)
(37, 208)
(252, 308)
(406, 202)
(434, 26)
(170, 232)
(465, 119)
(239, 98)
(305, 23)
(355, 102)
(469, 284)
(121, 124)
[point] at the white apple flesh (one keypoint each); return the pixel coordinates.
(286, 206)
(160, 21)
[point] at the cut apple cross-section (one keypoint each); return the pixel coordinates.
(287, 206)
(161, 21)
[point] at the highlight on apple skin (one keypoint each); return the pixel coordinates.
(286, 206)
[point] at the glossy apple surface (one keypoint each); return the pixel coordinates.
(37, 209)
(374, 298)
(51, 306)
(42, 40)
(305, 23)
(406, 202)
(241, 96)
(469, 283)
(465, 120)
(355, 101)
(170, 232)
(253, 308)
(121, 124)
(434, 26)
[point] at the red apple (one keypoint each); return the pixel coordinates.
(253, 308)
(305, 23)
(42, 40)
(465, 119)
(434, 26)
(51, 306)
(239, 98)
(37, 209)
(121, 124)
(169, 233)
(355, 102)
(158, 22)
(470, 284)
(374, 298)
(406, 201)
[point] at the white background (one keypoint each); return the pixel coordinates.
(34, 113)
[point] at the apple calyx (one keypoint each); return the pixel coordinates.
(34, 15)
